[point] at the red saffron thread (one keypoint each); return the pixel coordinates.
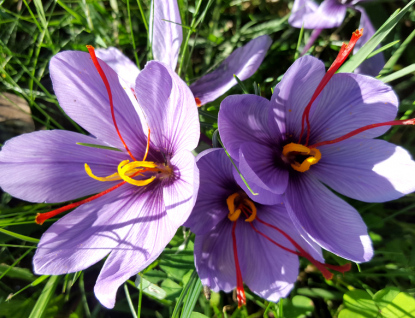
(341, 57)
(301, 252)
(362, 129)
(107, 86)
(240, 292)
(198, 102)
(42, 217)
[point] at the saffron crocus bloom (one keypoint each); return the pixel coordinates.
(166, 37)
(330, 14)
(280, 153)
(146, 190)
(239, 240)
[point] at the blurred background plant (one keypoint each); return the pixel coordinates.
(31, 32)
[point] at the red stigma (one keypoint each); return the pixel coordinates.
(404, 122)
(345, 50)
(322, 267)
(107, 86)
(42, 217)
(198, 102)
(240, 292)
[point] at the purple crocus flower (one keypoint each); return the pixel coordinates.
(330, 14)
(146, 190)
(279, 153)
(166, 37)
(239, 240)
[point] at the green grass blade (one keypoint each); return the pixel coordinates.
(394, 76)
(98, 146)
(137, 62)
(184, 292)
(15, 263)
(143, 15)
(395, 57)
(45, 297)
(375, 40)
(19, 236)
(191, 299)
(383, 48)
(129, 301)
(300, 38)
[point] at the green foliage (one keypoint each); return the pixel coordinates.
(31, 32)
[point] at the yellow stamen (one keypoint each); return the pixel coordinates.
(231, 202)
(113, 177)
(297, 149)
(125, 167)
(243, 204)
(253, 210)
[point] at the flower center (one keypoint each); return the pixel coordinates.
(300, 157)
(238, 203)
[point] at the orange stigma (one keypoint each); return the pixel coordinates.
(198, 102)
(345, 50)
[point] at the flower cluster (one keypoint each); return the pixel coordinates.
(142, 182)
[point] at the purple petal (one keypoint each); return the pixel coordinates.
(83, 96)
(329, 14)
(170, 108)
(375, 64)
(328, 220)
(87, 234)
(48, 166)
(243, 62)
(294, 92)
(121, 64)
(262, 195)
(257, 164)
(152, 230)
(214, 260)
(367, 170)
(216, 185)
(166, 33)
(245, 118)
(180, 194)
(349, 102)
(268, 270)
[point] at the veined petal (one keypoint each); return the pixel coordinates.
(83, 96)
(48, 166)
(121, 64)
(348, 102)
(328, 220)
(375, 64)
(87, 234)
(367, 170)
(166, 33)
(257, 163)
(328, 15)
(243, 62)
(216, 185)
(294, 92)
(214, 260)
(268, 270)
(170, 108)
(245, 118)
(180, 194)
(152, 230)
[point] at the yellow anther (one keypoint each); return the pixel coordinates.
(242, 204)
(292, 147)
(126, 167)
(113, 177)
(234, 216)
(253, 210)
(231, 202)
(297, 149)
